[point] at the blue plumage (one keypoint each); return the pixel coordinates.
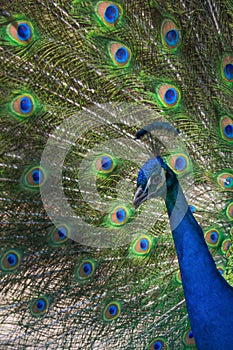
(79, 268)
(209, 298)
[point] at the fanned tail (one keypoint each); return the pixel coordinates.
(79, 268)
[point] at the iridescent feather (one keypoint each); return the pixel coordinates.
(78, 79)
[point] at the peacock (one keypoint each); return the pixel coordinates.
(200, 276)
(95, 97)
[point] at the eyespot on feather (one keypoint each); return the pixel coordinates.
(158, 344)
(33, 178)
(10, 260)
(169, 95)
(229, 211)
(213, 237)
(179, 163)
(85, 269)
(226, 128)
(192, 208)
(119, 216)
(225, 181)
(23, 106)
(221, 269)
(110, 13)
(21, 32)
(178, 277)
(188, 338)
(59, 235)
(39, 306)
(227, 68)
(170, 34)
(226, 244)
(105, 164)
(120, 54)
(112, 311)
(142, 246)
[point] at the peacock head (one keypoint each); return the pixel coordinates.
(152, 181)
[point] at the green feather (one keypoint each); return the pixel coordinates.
(80, 269)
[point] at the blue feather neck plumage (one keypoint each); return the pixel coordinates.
(209, 298)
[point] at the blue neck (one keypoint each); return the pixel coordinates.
(208, 296)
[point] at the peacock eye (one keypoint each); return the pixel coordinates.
(221, 269)
(59, 235)
(226, 128)
(85, 270)
(192, 208)
(169, 95)
(229, 211)
(226, 244)
(158, 344)
(34, 178)
(112, 311)
(10, 261)
(21, 32)
(23, 106)
(105, 164)
(213, 237)
(225, 181)
(39, 306)
(188, 338)
(177, 277)
(109, 13)
(120, 54)
(119, 216)
(142, 246)
(170, 34)
(156, 180)
(227, 69)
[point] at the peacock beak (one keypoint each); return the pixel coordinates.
(139, 197)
